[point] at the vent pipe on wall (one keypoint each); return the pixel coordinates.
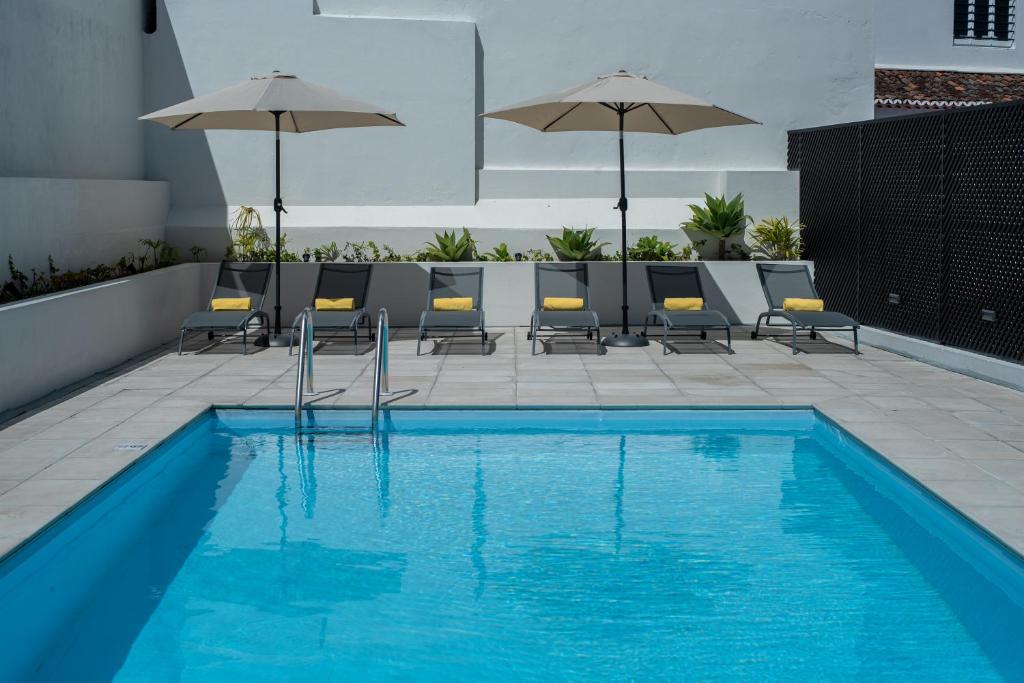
(149, 16)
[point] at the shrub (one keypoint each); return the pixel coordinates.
(777, 239)
(652, 248)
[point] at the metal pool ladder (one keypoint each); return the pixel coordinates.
(380, 368)
(304, 373)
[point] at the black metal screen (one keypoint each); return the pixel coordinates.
(916, 223)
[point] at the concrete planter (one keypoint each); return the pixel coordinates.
(52, 341)
(730, 286)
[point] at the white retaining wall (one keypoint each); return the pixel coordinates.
(53, 341)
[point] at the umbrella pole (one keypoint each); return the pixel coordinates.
(623, 338)
(277, 339)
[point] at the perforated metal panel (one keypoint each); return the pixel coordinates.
(829, 195)
(916, 224)
(985, 230)
(900, 242)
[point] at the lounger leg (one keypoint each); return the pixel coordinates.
(728, 340)
(757, 327)
(533, 337)
(597, 339)
(419, 340)
(245, 332)
(483, 342)
(794, 340)
(181, 338)
(664, 337)
(856, 342)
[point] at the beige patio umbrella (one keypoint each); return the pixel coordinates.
(277, 102)
(624, 102)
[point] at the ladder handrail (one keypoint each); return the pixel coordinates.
(305, 368)
(381, 384)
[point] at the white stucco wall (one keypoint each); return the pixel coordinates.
(919, 34)
(439, 63)
(71, 150)
(71, 77)
(80, 223)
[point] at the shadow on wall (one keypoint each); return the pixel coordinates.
(184, 155)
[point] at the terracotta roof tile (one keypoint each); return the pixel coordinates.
(943, 89)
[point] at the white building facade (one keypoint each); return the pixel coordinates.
(439, 64)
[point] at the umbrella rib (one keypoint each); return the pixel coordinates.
(391, 119)
(663, 122)
(294, 122)
(562, 116)
(179, 125)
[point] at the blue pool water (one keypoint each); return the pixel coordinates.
(513, 545)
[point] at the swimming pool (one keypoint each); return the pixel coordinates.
(513, 545)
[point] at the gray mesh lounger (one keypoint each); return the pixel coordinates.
(234, 280)
(784, 281)
(453, 283)
(562, 280)
(681, 281)
(339, 281)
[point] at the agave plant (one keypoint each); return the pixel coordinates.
(499, 253)
(577, 245)
(777, 239)
(450, 246)
(719, 219)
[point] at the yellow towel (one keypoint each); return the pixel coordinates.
(563, 303)
(456, 303)
(347, 304)
(242, 303)
(684, 303)
(803, 305)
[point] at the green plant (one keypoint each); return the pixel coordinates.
(499, 253)
(249, 240)
(384, 253)
(22, 286)
(718, 218)
(652, 248)
(777, 239)
(691, 252)
(449, 246)
(197, 252)
(537, 255)
(327, 252)
(162, 253)
(576, 245)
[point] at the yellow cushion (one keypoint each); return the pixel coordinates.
(563, 303)
(803, 305)
(242, 303)
(684, 303)
(346, 304)
(455, 303)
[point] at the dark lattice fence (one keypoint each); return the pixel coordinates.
(916, 224)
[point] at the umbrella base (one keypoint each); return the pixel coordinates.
(274, 340)
(627, 340)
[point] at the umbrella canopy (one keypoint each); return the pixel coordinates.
(620, 102)
(277, 102)
(649, 108)
(250, 105)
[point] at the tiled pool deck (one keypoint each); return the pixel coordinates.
(961, 437)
